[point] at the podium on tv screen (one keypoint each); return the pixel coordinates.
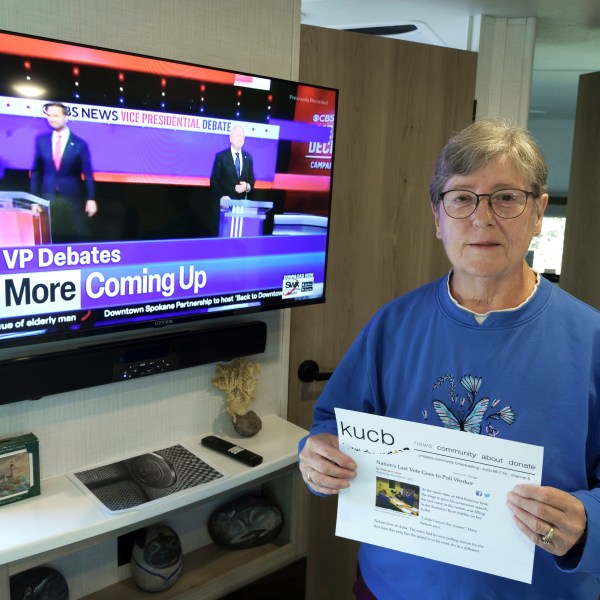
(300, 224)
(24, 220)
(242, 218)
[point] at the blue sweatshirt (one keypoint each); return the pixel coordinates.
(422, 358)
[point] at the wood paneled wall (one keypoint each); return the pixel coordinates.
(398, 103)
(581, 254)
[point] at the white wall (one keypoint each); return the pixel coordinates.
(93, 425)
(555, 137)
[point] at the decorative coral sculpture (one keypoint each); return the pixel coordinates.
(238, 381)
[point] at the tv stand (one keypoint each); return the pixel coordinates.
(63, 524)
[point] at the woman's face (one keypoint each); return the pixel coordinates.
(485, 246)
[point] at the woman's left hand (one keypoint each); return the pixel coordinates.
(554, 520)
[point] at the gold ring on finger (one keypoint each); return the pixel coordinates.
(546, 539)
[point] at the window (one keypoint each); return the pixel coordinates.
(545, 252)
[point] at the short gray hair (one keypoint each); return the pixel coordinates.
(480, 143)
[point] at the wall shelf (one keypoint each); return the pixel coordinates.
(210, 572)
(63, 520)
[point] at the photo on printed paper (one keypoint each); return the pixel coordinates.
(397, 496)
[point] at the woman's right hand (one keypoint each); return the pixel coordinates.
(324, 467)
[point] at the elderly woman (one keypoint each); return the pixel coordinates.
(527, 354)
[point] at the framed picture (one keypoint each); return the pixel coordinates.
(19, 468)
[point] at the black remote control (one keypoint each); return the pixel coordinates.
(232, 450)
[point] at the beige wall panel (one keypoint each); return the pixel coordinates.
(398, 103)
(581, 255)
(256, 36)
(82, 428)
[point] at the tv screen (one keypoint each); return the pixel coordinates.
(142, 192)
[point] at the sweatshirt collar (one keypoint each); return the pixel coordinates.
(528, 309)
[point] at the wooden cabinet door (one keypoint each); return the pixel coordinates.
(398, 104)
(581, 253)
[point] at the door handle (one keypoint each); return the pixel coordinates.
(309, 371)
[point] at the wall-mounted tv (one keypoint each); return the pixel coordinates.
(142, 192)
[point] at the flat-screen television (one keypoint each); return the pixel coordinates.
(138, 192)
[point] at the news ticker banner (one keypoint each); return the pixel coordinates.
(148, 142)
(90, 113)
(44, 280)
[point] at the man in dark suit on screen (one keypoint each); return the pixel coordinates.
(232, 174)
(60, 161)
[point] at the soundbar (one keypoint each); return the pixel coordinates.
(33, 377)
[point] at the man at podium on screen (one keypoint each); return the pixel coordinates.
(60, 160)
(232, 174)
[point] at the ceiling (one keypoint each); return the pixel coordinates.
(567, 41)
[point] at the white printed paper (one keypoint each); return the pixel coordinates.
(445, 493)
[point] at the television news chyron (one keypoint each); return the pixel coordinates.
(167, 245)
